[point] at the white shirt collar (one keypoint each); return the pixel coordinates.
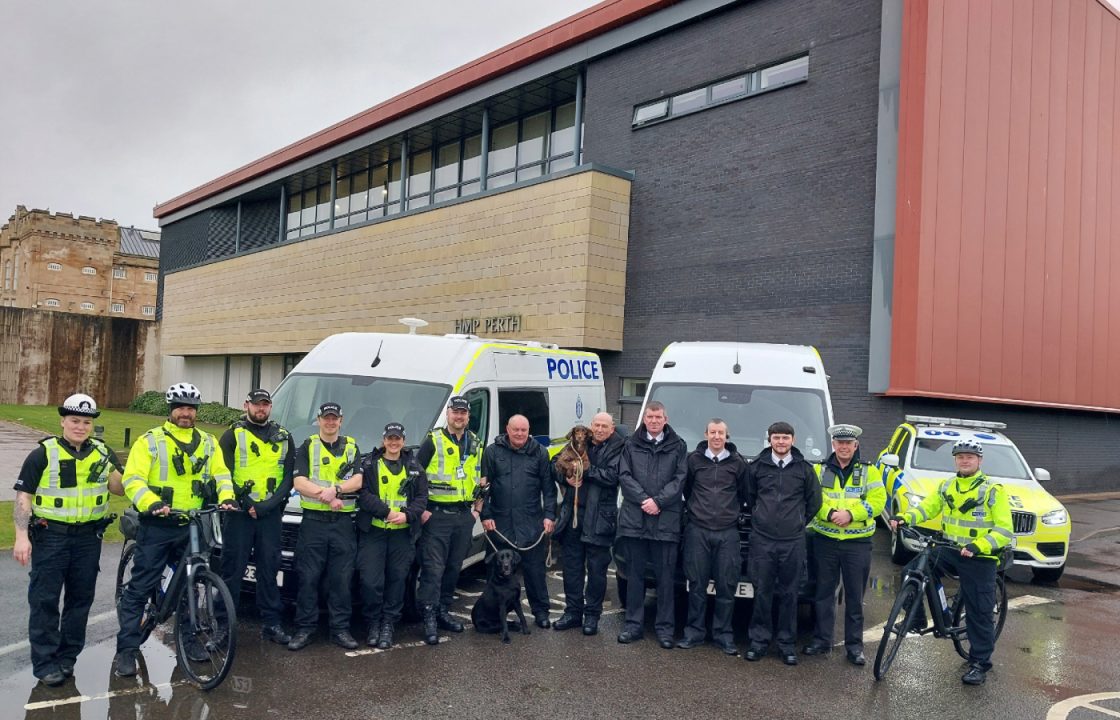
(660, 436)
(723, 454)
(780, 460)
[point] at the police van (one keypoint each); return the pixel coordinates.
(750, 386)
(408, 378)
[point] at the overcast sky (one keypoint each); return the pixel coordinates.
(111, 107)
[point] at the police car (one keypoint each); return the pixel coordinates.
(923, 445)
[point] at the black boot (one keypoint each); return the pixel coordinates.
(446, 622)
(431, 625)
(385, 637)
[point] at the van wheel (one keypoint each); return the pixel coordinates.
(1047, 575)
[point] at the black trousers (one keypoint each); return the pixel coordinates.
(663, 557)
(585, 575)
(58, 561)
(833, 561)
(156, 545)
(775, 567)
(242, 535)
(444, 544)
(978, 585)
(711, 555)
(384, 559)
(325, 549)
(533, 573)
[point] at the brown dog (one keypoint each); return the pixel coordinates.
(572, 462)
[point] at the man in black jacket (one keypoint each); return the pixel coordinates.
(259, 451)
(714, 491)
(586, 548)
(394, 495)
(783, 495)
(520, 503)
(651, 475)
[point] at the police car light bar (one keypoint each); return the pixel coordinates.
(978, 424)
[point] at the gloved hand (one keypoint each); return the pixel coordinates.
(159, 508)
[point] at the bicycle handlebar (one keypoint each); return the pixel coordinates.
(925, 539)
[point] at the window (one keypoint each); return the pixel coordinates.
(119, 273)
(479, 423)
(151, 276)
(290, 361)
(54, 267)
(8, 275)
(117, 308)
(87, 306)
(149, 310)
(723, 91)
(633, 389)
(533, 404)
(87, 270)
(51, 302)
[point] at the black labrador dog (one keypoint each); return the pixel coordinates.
(501, 596)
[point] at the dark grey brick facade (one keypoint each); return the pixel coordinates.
(753, 221)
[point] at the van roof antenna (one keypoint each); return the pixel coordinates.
(736, 368)
(412, 324)
(377, 356)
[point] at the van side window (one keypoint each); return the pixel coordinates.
(479, 423)
(533, 404)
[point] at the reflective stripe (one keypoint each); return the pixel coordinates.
(442, 470)
(333, 465)
(88, 499)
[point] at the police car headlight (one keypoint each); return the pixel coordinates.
(1055, 517)
(914, 499)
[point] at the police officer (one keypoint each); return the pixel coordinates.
(171, 467)
(521, 505)
(326, 481)
(714, 492)
(394, 495)
(840, 537)
(976, 515)
(450, 456)
(62, 500)
(261, 456)
(783, 495)
(586, 548)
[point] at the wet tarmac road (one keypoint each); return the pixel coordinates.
(1059, 642)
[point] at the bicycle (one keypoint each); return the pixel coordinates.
(205, 614)
(947, 617)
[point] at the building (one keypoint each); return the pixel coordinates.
(58, 262)
(925, 191)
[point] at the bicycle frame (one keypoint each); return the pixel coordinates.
(193, 556)
(932, 588)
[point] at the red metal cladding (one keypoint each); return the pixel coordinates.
(594, 21)
(1009, 161)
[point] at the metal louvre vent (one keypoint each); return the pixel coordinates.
(260, 224)
(223, 232)
(1022, 522)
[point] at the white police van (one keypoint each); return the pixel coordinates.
(408, 378)
(750, 386)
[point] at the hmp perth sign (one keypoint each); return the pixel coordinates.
(498, 324)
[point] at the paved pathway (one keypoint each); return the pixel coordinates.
(15, 442)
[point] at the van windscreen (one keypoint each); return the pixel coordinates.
(368, 403)
(748, 411)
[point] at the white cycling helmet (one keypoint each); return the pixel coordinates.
(183, 394)
(968, 445)
(79, 404)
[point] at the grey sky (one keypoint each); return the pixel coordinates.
(111, 107)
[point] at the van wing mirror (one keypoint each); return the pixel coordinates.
(889, 460)
(1042, 475)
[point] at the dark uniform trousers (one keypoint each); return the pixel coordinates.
(662, 555)
(833, 560)
(326, 547)
(60, 559)
(583, 562)
(978, 584)
(711, 555)
(242, 535)
(156, 546)
(384, 559)
(775, 567)
(444, 544)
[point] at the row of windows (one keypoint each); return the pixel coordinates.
(527, 148)
(723, 91)
(119, 273)
(148, 310)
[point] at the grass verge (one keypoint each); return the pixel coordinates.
(45, 419)
(117, 504)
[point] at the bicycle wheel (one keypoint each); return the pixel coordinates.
(206, 647)
(124, 575)
(899, 621)
(999, 616)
